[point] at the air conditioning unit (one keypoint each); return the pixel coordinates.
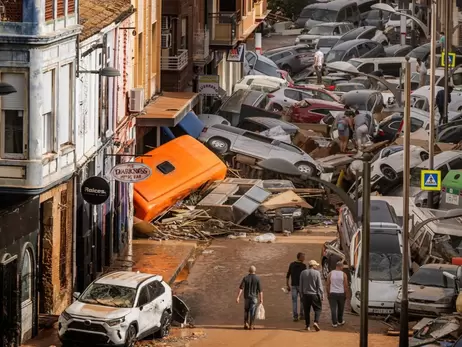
(165, 23)
(136, 103)
(166, 41)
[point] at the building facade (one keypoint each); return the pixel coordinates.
(38, 42)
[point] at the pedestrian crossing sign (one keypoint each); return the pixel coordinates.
(430, 180)
(451, 59)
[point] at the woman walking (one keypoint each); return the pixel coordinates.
(337, 286)
(344, 124)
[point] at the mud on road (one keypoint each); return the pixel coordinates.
(211, 288)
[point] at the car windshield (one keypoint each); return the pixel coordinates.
(355, 63)
(432, 277)
(109, 295)
(395, 16)
(307, 13)
(324, 15)
(334, 55)
(320, 30)
(266, 69)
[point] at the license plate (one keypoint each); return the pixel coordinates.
(381, 310)
(327, 176)
(452, 199)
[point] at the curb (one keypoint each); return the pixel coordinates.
(182, 265)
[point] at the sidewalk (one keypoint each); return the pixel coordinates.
(166, 258)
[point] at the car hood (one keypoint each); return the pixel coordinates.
(308, 37)
(85, 310)
(383, 291)
(310, 23)
(417, 292)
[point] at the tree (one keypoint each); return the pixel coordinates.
(288, 8)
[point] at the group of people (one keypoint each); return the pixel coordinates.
(305, 284)
(351, 122)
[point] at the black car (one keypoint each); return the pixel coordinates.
(355, 49)
(390, 127)
(398, 50)
(423, 52)
(292, 59)
(376, 18)
(363, 32)
(452, 134)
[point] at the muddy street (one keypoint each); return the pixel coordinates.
(211, 288)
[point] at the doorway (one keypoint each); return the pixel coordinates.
(27, 275)
(9, 300)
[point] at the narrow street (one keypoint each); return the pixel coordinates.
(211, 289)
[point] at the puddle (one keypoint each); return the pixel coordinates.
(182, 276)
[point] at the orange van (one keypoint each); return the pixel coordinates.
(179, 167)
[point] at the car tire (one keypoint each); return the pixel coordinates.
(388, 172)
(325, 268)
(306, 168)
(288, 69)
(165, 324)
(218, 145)
(276, 108)
(424, 156)
(130, 338)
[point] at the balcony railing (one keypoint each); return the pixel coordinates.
(175, 63)
(201, 45)
(226, 27)
(261, 8)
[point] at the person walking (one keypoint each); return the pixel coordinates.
(440, 102)
(252, 289)
(295, 269)
(337, 286)
(422, 71)
(318, 65)
(361, 122)
(311, 288)
(344, 124)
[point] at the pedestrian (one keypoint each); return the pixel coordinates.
(318, 65)
(311, 288)
(344, 124)
(361, 122)
(422, 71)
(252, 289)
(442, 40)
(295, 269)
(440, 102)
(337, 286)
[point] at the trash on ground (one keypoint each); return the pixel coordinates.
(265, 238)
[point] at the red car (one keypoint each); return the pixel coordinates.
(312, 110)
(319, 93)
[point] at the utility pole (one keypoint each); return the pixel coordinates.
(447, 50)
(404, 316)
(403, 6)
(413, 26)
(431, 142)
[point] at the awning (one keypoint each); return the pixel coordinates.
(167, 110)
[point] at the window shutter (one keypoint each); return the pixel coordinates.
(49, 10)
(64, 104)
(47, 88)
(14, 101)
(71, 6)
(60, 8)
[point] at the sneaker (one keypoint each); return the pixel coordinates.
(316, 326)
(308, 329)
(334, 325)
(295, 319)
(341, 323)
(246, 326)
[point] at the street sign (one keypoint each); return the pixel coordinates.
(131, 172)
(430, 180)
(95, 190)
(452, 59)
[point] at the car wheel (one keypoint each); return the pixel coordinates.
(306, 168)
(388, 172)
(130, 340)
(424, 156)
(288, 69)
(219, 145)
(165, 323)
(325, 268)
(276, 107)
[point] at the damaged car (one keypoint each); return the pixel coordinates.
(118, 308)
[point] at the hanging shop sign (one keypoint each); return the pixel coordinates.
(208, 85)
(236, 55)
(131, 172)
(95, 190)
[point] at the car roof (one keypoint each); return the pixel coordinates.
(330, 24)
(284, 48)
(271, 122)
(328, 4)
(381, 212)
(350, 43)
(124, 278)
(320, 102)
(442, 267)
(440, 159)
(229, 129)
(396, 48)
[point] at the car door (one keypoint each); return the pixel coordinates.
(452, 135)
(284, 150)
(316, 114)
(146, 310)
(158, 300)
(367, 68)
(363, 50)
(249, 62)
(253, 145)
(352, 53)
(291, 96)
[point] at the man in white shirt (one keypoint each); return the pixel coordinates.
(318, 63)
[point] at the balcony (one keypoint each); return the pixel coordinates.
(201, 46)
(261, 10)
(226, 28)
(175, 63)
(248, 25)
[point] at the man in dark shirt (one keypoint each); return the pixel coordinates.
(440, 101)
(251, 287)
(295, 269)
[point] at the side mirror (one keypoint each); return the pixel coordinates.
(76, 295)
(141, 308)
(450, 276)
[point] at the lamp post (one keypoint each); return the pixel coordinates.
(365, 246)
(447, 45)
(404, 325)
(104, 72)
(431, 136)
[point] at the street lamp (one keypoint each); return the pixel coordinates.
(388, 8)
(6, 88)
(104, 72)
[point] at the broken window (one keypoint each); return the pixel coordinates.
(109, 295)
(432, 277)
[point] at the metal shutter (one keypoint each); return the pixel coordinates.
(15, 101)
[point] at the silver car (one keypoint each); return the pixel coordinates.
(223, 138)
(287, 97)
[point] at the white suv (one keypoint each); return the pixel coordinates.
(118, 309)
